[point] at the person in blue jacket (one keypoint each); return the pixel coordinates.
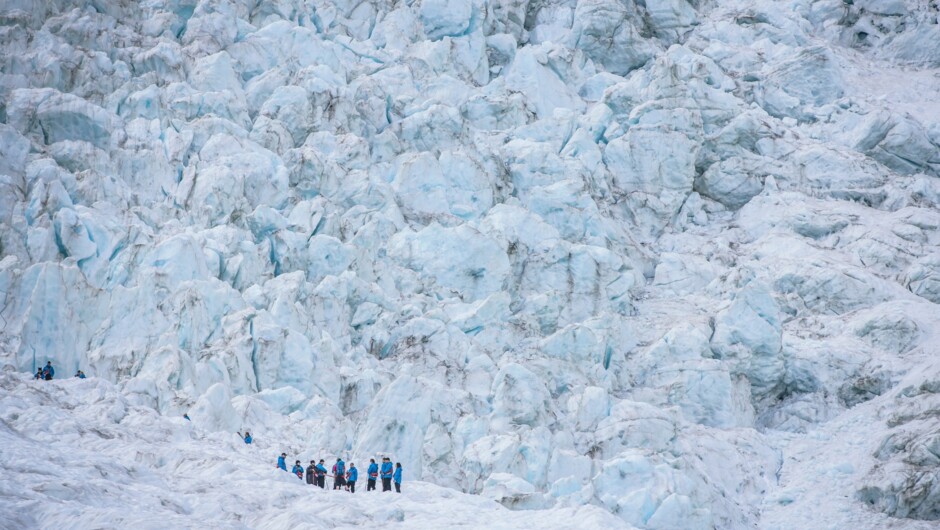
(298, 470)
(386, 474)
(373, 473)
(80, 374)
(48, 372)
(39, 374)
(282, 462)
(351, 476)
(321, 474)
(247, 437)
(339, 474)
(397, 477)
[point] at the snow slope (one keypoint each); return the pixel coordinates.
(657, 264)
(103, 463)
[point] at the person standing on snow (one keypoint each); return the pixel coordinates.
(351, 477)
(247, 437)
(282, 461)
(397, 477)
(312, 473)
(386, 474)
(39, 374)
(80, 374)
(48, 372)
(321, 475)
(373, 473)
(339, 474)
(298, 470)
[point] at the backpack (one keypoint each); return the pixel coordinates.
(340, 468)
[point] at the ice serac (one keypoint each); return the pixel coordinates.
(811, 78)
(519, 396)
(648, 264)
(750, 333)
(53, 117)
(653, 164)
(606, 31)
(432, 252)
(442, 18)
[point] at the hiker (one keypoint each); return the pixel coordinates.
(339, 474)
(247, 437)
(321, 475)
(80, 374)
(386, 474)
(298, 470)
(38, 374)
(186, 417)
(311, 473)
(351, 477)
(373, 473)
(397, 477)
(48, 372)
(282, 462)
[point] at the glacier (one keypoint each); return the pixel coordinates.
(647, 264)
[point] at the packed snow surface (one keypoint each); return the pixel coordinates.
(574, 263)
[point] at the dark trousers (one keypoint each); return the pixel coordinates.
(398, 487)
(352, 486)
(370, 485)
(321, 481)
(338, 482)
(386, 484)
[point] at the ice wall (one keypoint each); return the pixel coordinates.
(555, 252)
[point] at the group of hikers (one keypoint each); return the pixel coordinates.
(46, 373)
(316, 472)
(343, 478)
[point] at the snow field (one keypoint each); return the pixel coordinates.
(83, 457)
